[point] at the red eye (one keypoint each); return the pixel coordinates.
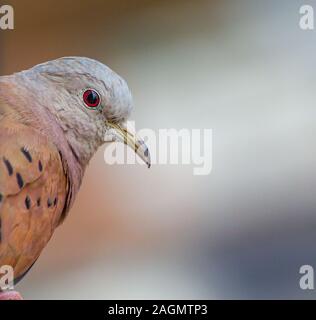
(91, 98)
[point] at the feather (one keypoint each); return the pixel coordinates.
(33, 188)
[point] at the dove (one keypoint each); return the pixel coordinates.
(53, 118)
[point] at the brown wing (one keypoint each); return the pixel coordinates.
(33, 187)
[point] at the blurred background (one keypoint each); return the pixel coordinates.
(244, 69)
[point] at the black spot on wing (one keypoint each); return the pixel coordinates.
(27, 154)
(40, 166)
(27, 202)
(8, 166)
(38, 202)
(19, 180)
(49, 202)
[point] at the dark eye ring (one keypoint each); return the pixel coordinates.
(91, 98)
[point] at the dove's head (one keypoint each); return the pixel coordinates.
(90, 102)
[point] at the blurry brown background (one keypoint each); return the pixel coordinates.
(242, 68)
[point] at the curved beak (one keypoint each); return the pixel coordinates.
(127, 136)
